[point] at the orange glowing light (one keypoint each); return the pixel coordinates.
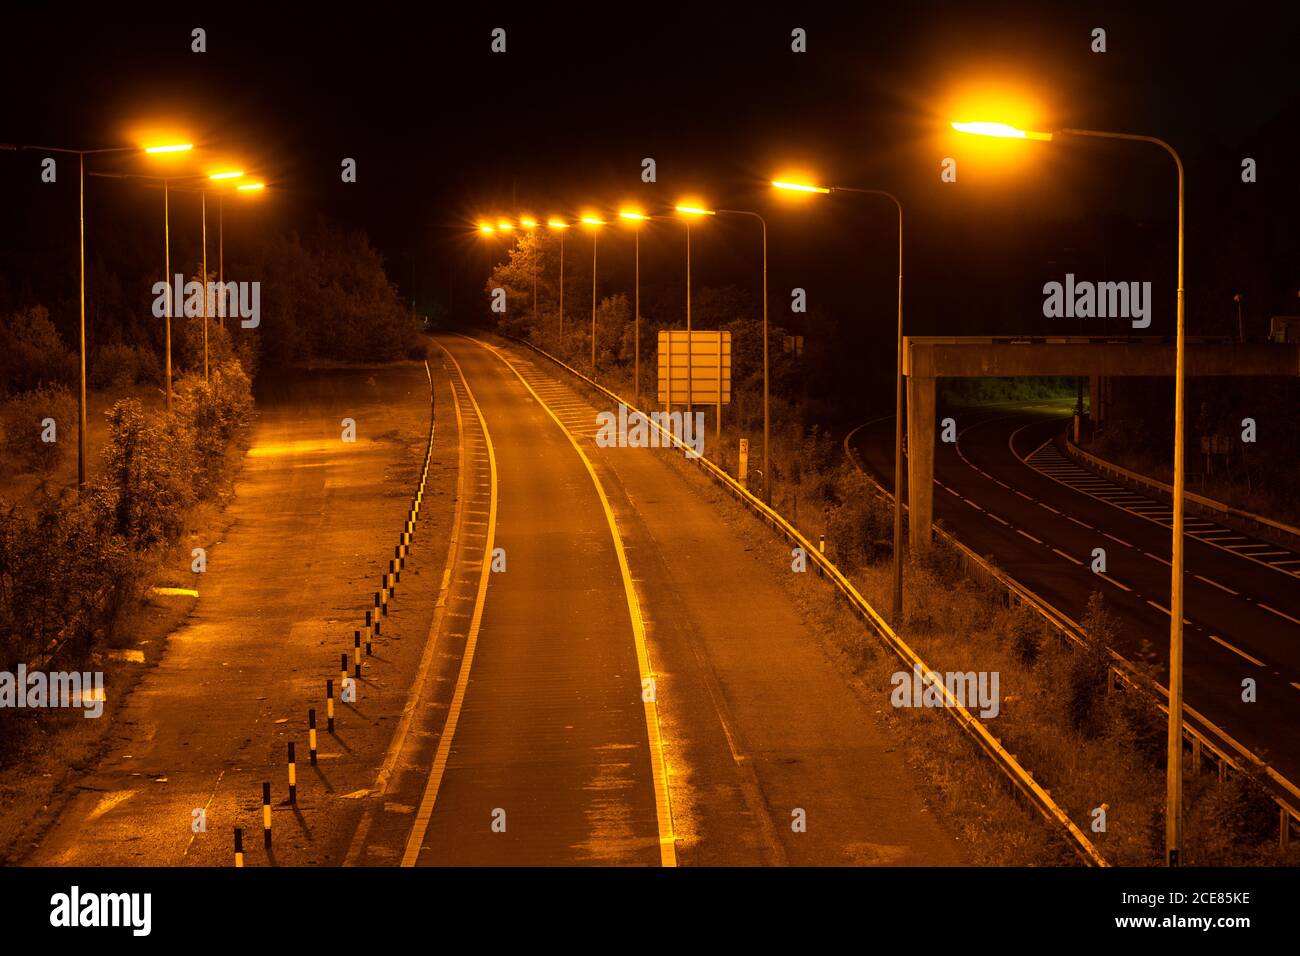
(528, 223)
(593, 221)
(799, 187)
(169, 148)
(232, 174)
(557, 224)
(248, 186)
(1002, 130)
(695, 210)
(505, 225)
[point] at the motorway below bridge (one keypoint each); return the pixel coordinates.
(1040, 523)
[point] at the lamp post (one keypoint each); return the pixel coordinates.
(693, 212)
(1174, 778)
(898, 383)
(559, 225)
(81, 233)
(595, 225)
(637, 218)
(531, 226)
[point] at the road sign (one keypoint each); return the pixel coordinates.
(697, 368)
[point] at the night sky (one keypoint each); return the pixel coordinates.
(445, 131)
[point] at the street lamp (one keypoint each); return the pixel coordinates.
(595, 225)
(636, 218)
(221, 231)
(81, 224)
(559, 226)
(898, 383)
(531, 225)
(688, 212)
(1174, 779)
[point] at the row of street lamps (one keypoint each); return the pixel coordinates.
(221, 177)
(1174, 780)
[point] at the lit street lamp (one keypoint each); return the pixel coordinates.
(595, 225)
(898, 384)
(81, 326)
(688, 211)
(1174, 779)
(636, 218)
(559, 226)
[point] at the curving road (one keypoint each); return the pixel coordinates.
(1005, 490)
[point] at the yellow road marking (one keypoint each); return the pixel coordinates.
(658, 766)
(425, 813)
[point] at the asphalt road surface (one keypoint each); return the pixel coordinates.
(1004, 490)
(641, 690)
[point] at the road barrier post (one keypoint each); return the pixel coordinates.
(343, 671)
(239, 847)
(356, 654)
(329, 706)
(293, 776)
(311, 734)
(266, 814)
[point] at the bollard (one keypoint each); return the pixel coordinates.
(329, 706)
(293, 776)
(311, 734)
(343, 671)
(356, 653)
(266, 814)
(239, 847)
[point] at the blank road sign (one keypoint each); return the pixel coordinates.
(696, 369)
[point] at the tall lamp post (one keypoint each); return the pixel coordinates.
(636, 218)
(898, 383)
(559, 225)
(595, 225)
(531, 226)
(688, 213)
(1174, 778)
(81, 155)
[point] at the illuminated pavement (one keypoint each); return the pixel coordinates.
(311, 527)
(1043, 533)
(755, 723)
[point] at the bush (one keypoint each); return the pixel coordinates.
(213, 412)
(147, 473)
(23, 420)
(63, 575)
(121, 366)
(859, 529)
(32, 354)
(1087, 670)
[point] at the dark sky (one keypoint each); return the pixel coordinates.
(444, 130)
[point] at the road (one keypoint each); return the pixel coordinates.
(1005, 490)
(311, 523)
(635, 687)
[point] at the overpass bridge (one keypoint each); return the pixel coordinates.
(928, 358)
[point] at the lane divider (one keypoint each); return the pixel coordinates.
(424, 813)
(658, 765)
(1021, 778)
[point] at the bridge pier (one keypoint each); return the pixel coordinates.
(920, 459)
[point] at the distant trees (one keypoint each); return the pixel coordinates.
(326, 295)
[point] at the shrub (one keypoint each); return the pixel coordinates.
(1087, 669)
(22, 419)
(31, 352)
(120, 366)
(147, 473)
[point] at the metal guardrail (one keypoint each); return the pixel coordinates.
(1021, 778)
(1201, 732)
(1204, 503)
